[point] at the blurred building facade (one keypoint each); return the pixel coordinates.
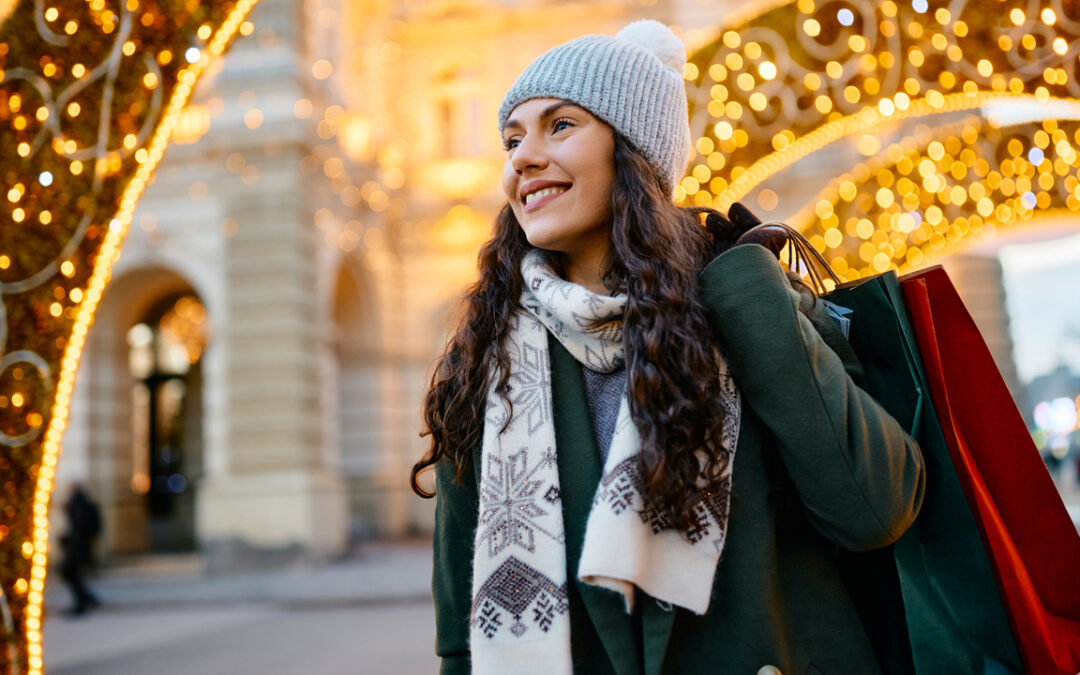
(253, 381)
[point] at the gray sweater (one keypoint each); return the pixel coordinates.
(604, 392)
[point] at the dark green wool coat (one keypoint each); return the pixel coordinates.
(819, 468)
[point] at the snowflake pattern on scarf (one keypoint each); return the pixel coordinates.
(514, 502)
(530, 384)
(588, 325)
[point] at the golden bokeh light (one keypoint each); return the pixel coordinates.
(917, 202)
(848, 68)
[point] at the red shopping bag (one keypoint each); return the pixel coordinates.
(1029, 537)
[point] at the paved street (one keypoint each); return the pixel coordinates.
(266, 639)
(370, 614)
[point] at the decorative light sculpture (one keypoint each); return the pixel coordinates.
(781, 81)
(919, 199)
(90, 93)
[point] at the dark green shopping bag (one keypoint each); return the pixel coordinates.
(939, 581)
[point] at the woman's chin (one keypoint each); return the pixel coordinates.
(539, 237)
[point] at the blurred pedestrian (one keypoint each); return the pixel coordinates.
(84, 525)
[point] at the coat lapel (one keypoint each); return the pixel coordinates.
(656, 630)
(579, 475)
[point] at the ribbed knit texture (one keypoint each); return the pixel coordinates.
(604, 391)
(623, 84)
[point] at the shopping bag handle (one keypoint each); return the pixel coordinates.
(802, 251)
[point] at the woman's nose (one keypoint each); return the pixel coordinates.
(529, 153)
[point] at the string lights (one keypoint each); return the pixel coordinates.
(920, 200)
(90, 94)
(779, 82)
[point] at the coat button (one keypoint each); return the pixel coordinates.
(769, 670)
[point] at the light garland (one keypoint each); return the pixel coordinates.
(867, 119)
(915, 203)
(781, 81)
(177, 30)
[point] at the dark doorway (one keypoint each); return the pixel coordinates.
(165, 355)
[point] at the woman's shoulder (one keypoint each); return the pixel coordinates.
(748, 269)
(752, 274)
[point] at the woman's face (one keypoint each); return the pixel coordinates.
(558, 176)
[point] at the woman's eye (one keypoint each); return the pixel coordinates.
(511, 143)
(559, 125)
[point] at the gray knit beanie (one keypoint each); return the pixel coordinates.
(632, 81)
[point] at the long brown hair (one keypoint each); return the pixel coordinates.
(657, 252)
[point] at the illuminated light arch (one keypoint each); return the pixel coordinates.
(916, 202)
(74, 166)
(785, 80)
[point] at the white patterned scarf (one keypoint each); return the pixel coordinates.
(520, 621)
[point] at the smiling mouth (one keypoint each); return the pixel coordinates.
(535, 200)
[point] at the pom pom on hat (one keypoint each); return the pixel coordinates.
(658, 39)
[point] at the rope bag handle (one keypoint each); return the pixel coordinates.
(802, 255)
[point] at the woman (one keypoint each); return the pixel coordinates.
(646, 458)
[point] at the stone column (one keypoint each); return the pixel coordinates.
(278, 491)
(278, 497)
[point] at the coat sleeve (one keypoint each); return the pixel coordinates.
(859, 475)
(451, 582)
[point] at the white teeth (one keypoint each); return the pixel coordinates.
(533, 196)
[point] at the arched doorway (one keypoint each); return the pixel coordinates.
(164, 361)
(138, 431)
(361, 408)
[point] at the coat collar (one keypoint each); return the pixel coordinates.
(579, 475)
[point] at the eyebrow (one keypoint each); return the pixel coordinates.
(547, 112)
